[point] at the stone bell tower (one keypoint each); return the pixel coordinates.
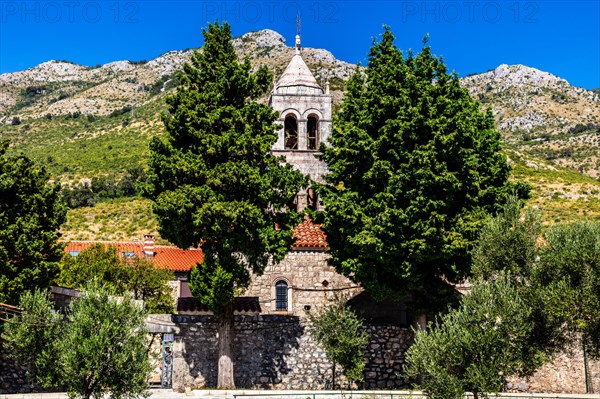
(304, 115)
(305, 118)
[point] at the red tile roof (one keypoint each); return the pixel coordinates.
(309, 235)
(165, 257)
(244, 304)
(177, 259)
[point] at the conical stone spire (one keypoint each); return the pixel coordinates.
(297, 75)
(297, 78)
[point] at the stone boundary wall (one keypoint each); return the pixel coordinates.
(278, 352)
(565, 374)
(13, 376)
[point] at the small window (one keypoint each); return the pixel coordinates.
(74, 253)
(291, 133)
(281, 296)
(313, 132)
(128, 254)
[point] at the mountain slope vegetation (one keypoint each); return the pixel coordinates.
(88, 122)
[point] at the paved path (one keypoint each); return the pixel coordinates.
(246, 394)
(289, 394)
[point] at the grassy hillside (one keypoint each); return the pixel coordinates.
(116, 220)
(73, 147)
(561, 194)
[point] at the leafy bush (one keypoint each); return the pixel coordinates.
(123, 275)
(104, 187)
(580, 127)
(118, 112)
(78, 196)
(476, 347)
(100, 350)
(339, 331)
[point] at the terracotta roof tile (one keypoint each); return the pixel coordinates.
(245, 304)
(165, 257)
(177, 259)
(309, 235)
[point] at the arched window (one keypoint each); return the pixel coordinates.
(291, 132)
(281, 295)
(312, 129)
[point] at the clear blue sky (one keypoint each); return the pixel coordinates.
(560, 37)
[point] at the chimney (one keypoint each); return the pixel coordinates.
(301, 201)
(148, 250)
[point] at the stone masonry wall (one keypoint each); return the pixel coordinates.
(311, 283)
(278, 352)
(385, 357)
(565, 374)
(305, 162)
(13, 376)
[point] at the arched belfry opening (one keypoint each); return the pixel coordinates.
(291, 132)
(312, 132)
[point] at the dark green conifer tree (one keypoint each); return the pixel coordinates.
(215, 184)
(31, 213)
(415, 166)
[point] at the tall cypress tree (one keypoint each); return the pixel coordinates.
(415, 166)
(215, 184)
(31, 213)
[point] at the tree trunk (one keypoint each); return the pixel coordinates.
(225, 367)
(333, 376)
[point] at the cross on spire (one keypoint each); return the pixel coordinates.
(298, 23)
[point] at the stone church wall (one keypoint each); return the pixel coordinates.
(305, 162)
(312, 283)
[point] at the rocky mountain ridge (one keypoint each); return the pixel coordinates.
(525, 98)
(543, 115)
(62, 87)
(538, 113)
